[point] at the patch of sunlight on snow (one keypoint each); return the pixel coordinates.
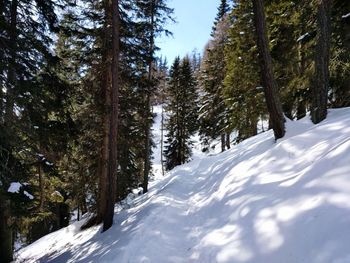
(220, 237)
(268, 233)
(228, 238)
(287, 212)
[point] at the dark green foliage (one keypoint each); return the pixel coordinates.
(213, 111)
(223, 9)
(243, 92)
(182, 110)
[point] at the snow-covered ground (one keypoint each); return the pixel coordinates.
(261, 202)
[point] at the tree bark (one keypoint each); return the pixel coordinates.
(147, 161)
(161, 139)
(6, 231)
(223, 142)
(321, 83)
(228, 141)
(41, 186)
(114, 94)
(270, 86)
(6, 248)
(104, 156)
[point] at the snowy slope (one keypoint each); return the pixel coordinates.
(284, 202)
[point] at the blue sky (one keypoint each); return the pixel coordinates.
(192, 30)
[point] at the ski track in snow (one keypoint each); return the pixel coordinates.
(260, 202)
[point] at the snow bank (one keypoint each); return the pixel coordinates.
(258, 202)
(14, 187)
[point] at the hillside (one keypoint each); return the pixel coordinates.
(261, 201)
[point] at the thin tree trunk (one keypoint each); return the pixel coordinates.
(112, 171)
(321, 83)
(6, 231)
(301, 104)
(78, 213)
(270, 86)
(147, 161)
(147, 164)
(161, 140)
(42, 188)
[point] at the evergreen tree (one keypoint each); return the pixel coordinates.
(213, 112)
(182, 108)
(243, 95)
(33, 118)
(223, 9)
(340, 55)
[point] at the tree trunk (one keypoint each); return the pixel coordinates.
(114, 94)
(228, 140)
(104, 157)
(161, 139)
(41, 186)
(223, 142)
(301, 109)
(321, 83)
(270, 86)
(147, 161)
(6, 248)
(6, 232)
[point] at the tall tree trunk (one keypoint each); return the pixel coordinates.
(103, 165)
(6, 231)
(161, 139)
(112, 171)
(147, 161)
(321, 83)
(270, 86)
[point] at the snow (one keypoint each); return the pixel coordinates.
(346, 16)
(303, 37)
(28, 195)
(259, 202)
(157, 135)
(14, 187)
(48, 163)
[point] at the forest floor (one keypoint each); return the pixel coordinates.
(262, 201)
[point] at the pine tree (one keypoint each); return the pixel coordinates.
(223, 9)
(31, 114)
(340, 55)
(213, 112)
(153, 14)
(270, 86)
(182, 106)
(243, 97)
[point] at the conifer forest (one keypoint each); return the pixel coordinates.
(111, 152)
